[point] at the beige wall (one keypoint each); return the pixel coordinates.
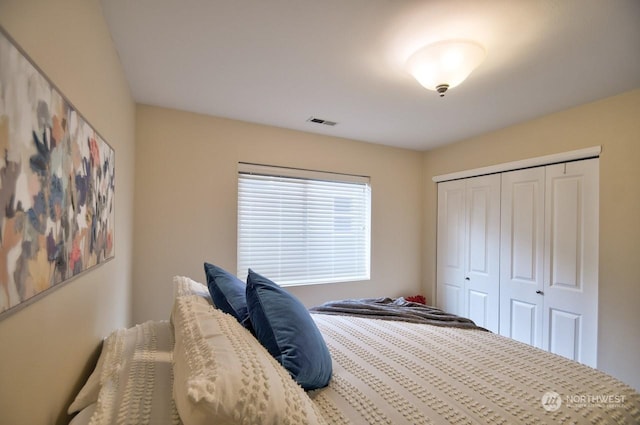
(613, 123)
(46, 348)
(186, 202)
(185, 208)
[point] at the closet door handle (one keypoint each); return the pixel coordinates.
(467, 278)
(539, 292)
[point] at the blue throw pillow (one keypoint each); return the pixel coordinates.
(284, 326)
(228, 293)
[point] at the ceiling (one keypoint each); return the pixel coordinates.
(280, 62)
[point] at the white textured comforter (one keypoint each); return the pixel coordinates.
(402, 373)
(389, 373)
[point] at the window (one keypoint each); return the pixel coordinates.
(302, 227)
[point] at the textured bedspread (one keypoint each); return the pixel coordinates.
(398, 309)
(390, 372)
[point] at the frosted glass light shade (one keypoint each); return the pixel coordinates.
(445, 64)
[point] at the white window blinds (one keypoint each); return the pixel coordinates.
(300, 227)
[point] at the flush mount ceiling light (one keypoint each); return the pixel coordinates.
(445, 64)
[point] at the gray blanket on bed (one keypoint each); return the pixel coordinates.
(398, 309)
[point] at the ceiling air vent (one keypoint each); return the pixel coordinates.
(321, 121)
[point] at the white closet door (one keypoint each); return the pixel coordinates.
(482, 253)
(571, 260)
(450, 247)
(521, 255)
(468, 249)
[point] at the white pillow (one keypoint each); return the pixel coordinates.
(89, 392)
(108, 364)
(223, 375)
(136, 378)
(84, 416)
(185, 286)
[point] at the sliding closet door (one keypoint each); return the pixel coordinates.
(468, 249)
(517, 253)
(450, 247)
(482, 261)
(571, 260)
(521, 255)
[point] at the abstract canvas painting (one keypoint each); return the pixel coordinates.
(57, 185)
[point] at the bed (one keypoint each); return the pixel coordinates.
(203, 366)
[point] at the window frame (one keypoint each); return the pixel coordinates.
(297, 176)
